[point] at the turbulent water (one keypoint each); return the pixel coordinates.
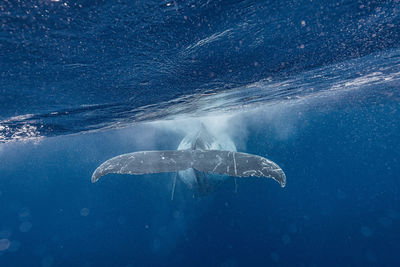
(70, 67)
(312, 85)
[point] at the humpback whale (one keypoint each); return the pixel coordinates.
(202, 161)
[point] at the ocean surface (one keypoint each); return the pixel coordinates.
(312, 85)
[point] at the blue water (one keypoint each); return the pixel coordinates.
(311, 85)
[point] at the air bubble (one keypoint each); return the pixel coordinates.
(85, 212)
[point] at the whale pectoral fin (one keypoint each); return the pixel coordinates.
(230, 163)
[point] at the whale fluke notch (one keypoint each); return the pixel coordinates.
(236, 164)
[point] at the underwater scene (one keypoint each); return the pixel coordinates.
(199, 133)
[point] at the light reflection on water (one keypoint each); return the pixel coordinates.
(363, 77)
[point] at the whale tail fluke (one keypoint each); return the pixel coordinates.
(221, 162)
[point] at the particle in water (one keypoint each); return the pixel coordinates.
(25, 227)
(85, 212)
(366, 231)
(24, 213)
